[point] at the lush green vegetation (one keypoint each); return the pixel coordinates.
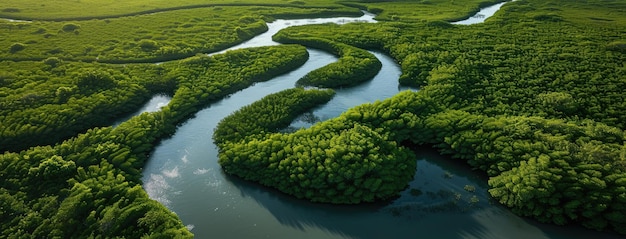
(423, 10)
(90, 9)
(533, 97)
(172, 31)
(90, 184)
(45, 102)
(42, 104)
(354, 66)
(330, 162)
(143, 38)
(554, 170)
(268, 115)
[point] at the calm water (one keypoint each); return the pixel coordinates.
(154, 104)
(482, 15)
(445, 200)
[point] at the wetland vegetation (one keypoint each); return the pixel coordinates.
(533, 98)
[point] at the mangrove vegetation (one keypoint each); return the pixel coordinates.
(533, 98)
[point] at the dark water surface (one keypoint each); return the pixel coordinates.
(445, 200)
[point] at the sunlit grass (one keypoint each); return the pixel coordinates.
(159, 36)
(425, 10)
(72, 9)
(607, 14)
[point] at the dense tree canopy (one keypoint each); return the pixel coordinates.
(533, 97)
(89, 185)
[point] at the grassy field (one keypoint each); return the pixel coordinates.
(171, 34)
(86, 9)
(156, 37)
(424, 10)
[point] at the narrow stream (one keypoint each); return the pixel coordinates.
(482, 15)
(445, 199)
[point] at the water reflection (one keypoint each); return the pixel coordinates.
(384, 85)
(265, 39)
(154, 104)
(446, 199)
(441, 210)
(481, 15)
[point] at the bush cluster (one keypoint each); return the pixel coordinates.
(533, 97)
(91, 183)
(354, 66)
(521, 98)
(332, 162)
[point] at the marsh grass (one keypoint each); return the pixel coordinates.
(100, 9)
(425, 10)
(144, 38)
(557, 50)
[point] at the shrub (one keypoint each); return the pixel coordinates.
(548, 18)
(63, 94)
(52, 61)
(148, 45)
(375, 10)
(55, 51)
(68, 27)
(17, 47)
(440, 24)
(558, 101)
(619, 46)
(247, 19)
(11, 9)
(95, 79)
(41, 30)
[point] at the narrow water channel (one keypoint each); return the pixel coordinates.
(482, 15)
(445, 199)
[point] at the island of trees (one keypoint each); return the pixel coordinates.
(533, 98)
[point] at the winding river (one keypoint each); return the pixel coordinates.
(445, 200)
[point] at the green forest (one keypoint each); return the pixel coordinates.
(533, 98)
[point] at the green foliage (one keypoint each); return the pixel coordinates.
(44, 105)
(15, 47)
(424, 10)
(270, 114)
(52, 61)
(64, 191)
(354, 66)
(229, 72)
(618, 46)
(469, 188)
(84, 10)
(533, 97)
(90, 183)
(330, 162)
(69, 27)
(170, 34)
(95, 79)
(562, 102)
(535, 105)
(148, 45)
(548, 17)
